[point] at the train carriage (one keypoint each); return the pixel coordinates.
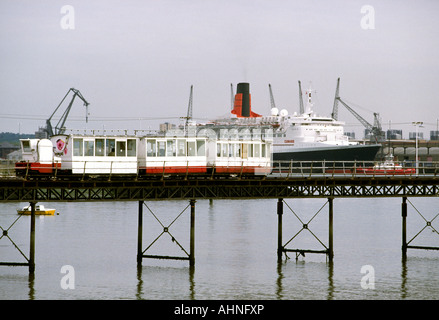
(105, 155)
(89, 154)
(243, 156)
(172, 155)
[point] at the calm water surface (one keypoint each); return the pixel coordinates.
(235, 245)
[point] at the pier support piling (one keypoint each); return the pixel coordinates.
(331, 233)
(140, 234)
(280, 211)
(404, 227)
(32, 239)
(192, 240)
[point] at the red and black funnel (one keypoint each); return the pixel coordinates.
(242, 105)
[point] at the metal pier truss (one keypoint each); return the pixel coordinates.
(165, 230)
(217, 188)
(30, 261)
(192, 188)
(305, 226)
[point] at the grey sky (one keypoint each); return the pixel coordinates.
(138, 59)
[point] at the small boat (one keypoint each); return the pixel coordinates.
(39, 210)
(387, 167)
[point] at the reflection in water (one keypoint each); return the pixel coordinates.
(403, 277)
(140, 293)
(330, 280)
(31, 285)
(280, 276)
(191, 282)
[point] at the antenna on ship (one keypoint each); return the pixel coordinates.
(309, 103)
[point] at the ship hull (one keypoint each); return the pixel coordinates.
(336, 153)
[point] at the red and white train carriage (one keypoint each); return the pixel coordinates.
(81, 154)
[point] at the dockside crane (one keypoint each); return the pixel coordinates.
(376, 131)
(189, 111)
(60, 128)
(272, 103)
(302, 109)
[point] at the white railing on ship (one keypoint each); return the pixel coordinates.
(286, 169)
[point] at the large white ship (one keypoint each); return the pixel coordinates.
(302, 137)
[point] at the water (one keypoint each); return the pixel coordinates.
(235, 251)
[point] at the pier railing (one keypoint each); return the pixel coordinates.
(284, 169)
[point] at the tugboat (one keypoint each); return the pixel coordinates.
(387, 167)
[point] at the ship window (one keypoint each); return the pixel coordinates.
(218, 149)
(121, 148)
(170, 148)
(201, 148)
(181, 148)
(77, 147)
(89, 146)
(191, 148)
(161, 146)
(100, 147)
(151, 148)
(131, 147)
(26, 145)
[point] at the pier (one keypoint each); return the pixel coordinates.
(305, 181)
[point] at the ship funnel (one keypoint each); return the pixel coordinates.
(242, 105)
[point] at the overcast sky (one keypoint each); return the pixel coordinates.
(135, 61)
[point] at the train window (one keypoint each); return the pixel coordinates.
(77, 147)
(201, 148)
(263, 150)
(151, 148)
(257, 150)
(131, 147)
(26, 145)
(110, 147)
(250, 150)
(89, 148)
(181, 148)
(191, 152)
(244, 150)
(218, 149)
(121, 148)
(100, 147)
(161, 146)
(170, 148)
(224, 149)
(238, 150)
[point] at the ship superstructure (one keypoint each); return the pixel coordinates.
(300, 137)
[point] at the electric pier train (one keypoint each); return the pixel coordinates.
(97, 156)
